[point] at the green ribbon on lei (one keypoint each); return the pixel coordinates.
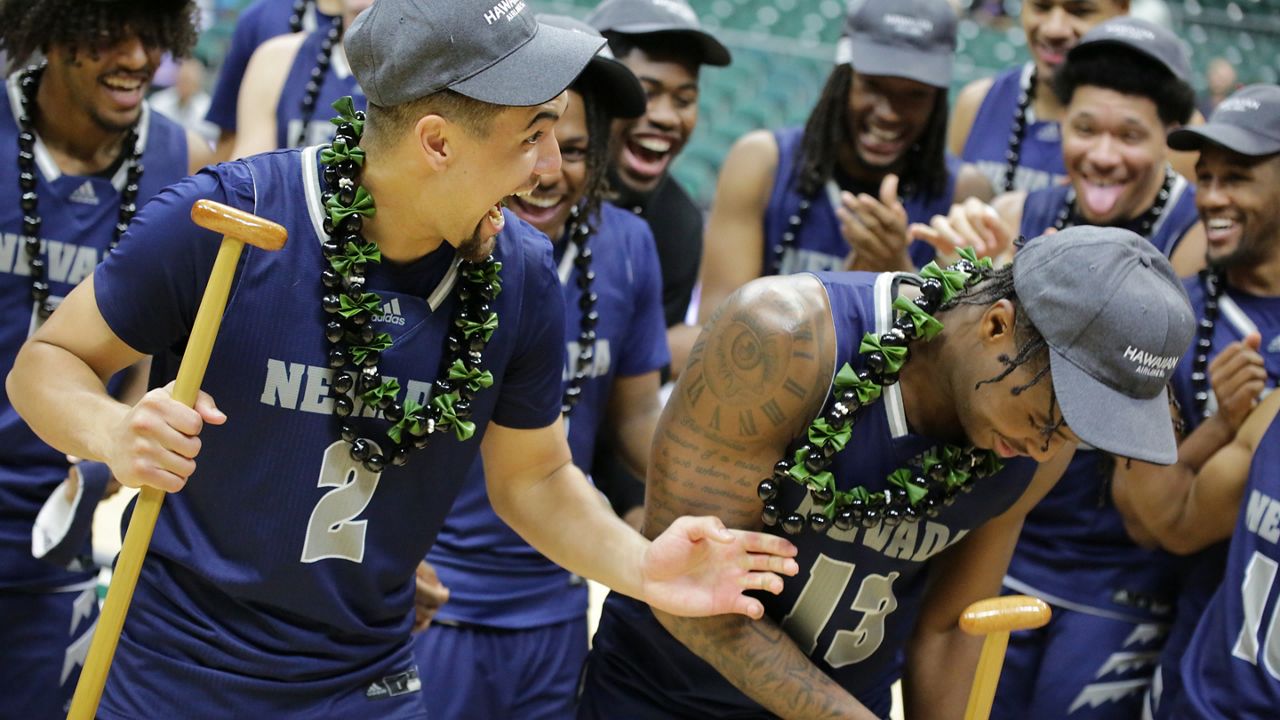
(484, 327)
(350, 307)
(346, 108)
(388, 389)
(380, 342)
(353, 255)
(953, 280)
(483, 274)
(823, 433)
(362, 205)
(894, 355)
(413, 421)
(463, 429)
(475, 379)
(339, 151)
(968, 253)
(927, 326)
(848, 381)
(902, 478)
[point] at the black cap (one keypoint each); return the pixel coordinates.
(912, 39)
(645, 17)
(1145, 37)
(1247, 122)
(493, 51)
(610, 83)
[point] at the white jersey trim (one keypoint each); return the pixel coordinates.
(891, 396)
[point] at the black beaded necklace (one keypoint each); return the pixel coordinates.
(28, 84)
(299, 12)
(1213, 282)
(355, 348)
(1018, 130)
(930, 482)
(579, 232)
(323, 58)
(1145, 222)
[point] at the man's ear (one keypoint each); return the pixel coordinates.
(998, 322)
(434, 137)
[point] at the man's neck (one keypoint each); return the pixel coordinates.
(928, 400)
(857, 172)
(1257, 278)
(79, 145)
(1045, 104)
(399, 238)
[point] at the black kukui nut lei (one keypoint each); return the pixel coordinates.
(579, 232)
(356, 348)
(917, 491)
(28, 84)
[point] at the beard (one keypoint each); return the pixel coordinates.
(476, 248)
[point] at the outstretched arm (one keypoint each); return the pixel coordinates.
(757, 376)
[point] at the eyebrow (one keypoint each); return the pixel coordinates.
(544, 115)
(691, 85)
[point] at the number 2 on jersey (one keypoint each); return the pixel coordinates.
(332, 531)
(828, 579)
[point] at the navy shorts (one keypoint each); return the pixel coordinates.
(44, 638)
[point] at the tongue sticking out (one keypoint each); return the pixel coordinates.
(1099, 199)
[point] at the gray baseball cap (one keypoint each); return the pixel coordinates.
(495, 51)
(1154, 41)
(645, 17)
(913, 39)
(1247, 122)
(1117, 320)
(610, 83)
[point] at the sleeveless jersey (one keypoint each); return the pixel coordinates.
(854, 604)
(1074, 550)
(78, 216)
(494, 577)
(1232, 665)
(284, 569)
(1239, 314)
(260, 22)
(337, 82)
(1040, 155)
(819, 245)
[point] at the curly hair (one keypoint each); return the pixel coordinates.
(828, 128)
(28, 27)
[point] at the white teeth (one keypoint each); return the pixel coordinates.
(542, 202)
(884, 135)
(656, 145)
(1220, 224)
(121, 84)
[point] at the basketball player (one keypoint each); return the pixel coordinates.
(260, 22)
(1007, 126)
(892, 548)
(289, 85)
(80, 151)
(357, 373)
(511, 640)
(838, 194)
(1236, 357)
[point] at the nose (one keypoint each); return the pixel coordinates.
(1057, 25)
(661, 112)
(1103, 153)
(132, 54)
(1210, 194)
(548, 161)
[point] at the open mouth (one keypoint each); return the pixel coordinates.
(882, 144)
(537, 210)
(1221, 231)
(1053, 55)
(647, 156)
(126, 90)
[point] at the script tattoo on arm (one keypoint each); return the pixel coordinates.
(756, 377)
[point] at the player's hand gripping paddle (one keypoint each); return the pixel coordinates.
(995, 618)
(237, 228)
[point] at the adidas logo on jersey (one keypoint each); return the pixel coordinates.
(85, 194)
(390, 313)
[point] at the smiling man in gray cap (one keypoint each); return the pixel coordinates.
(408, 327)
(902, 485)
(1235, 360)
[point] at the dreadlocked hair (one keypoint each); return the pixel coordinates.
(31, 26)
(1032, 351)
(925, 168)
(599, 140)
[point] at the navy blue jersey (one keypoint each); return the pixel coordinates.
(1232, 666)
(78, 218)
(819, 246)
(282, 560)
(854, 604)
(1040, 154)
(338, 82)
(260, 22)
(1074, 550)
(1240, 314)
(494, 577)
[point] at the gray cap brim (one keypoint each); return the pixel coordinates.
(1233, 138)
(535, 72)
(1109, 420)
(909, 63)
(711, 51)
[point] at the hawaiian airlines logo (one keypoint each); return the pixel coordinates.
(1150, 364)
(390, 313)
(1238, 105)
(504, 10)
(85, 194)
(907, 25)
